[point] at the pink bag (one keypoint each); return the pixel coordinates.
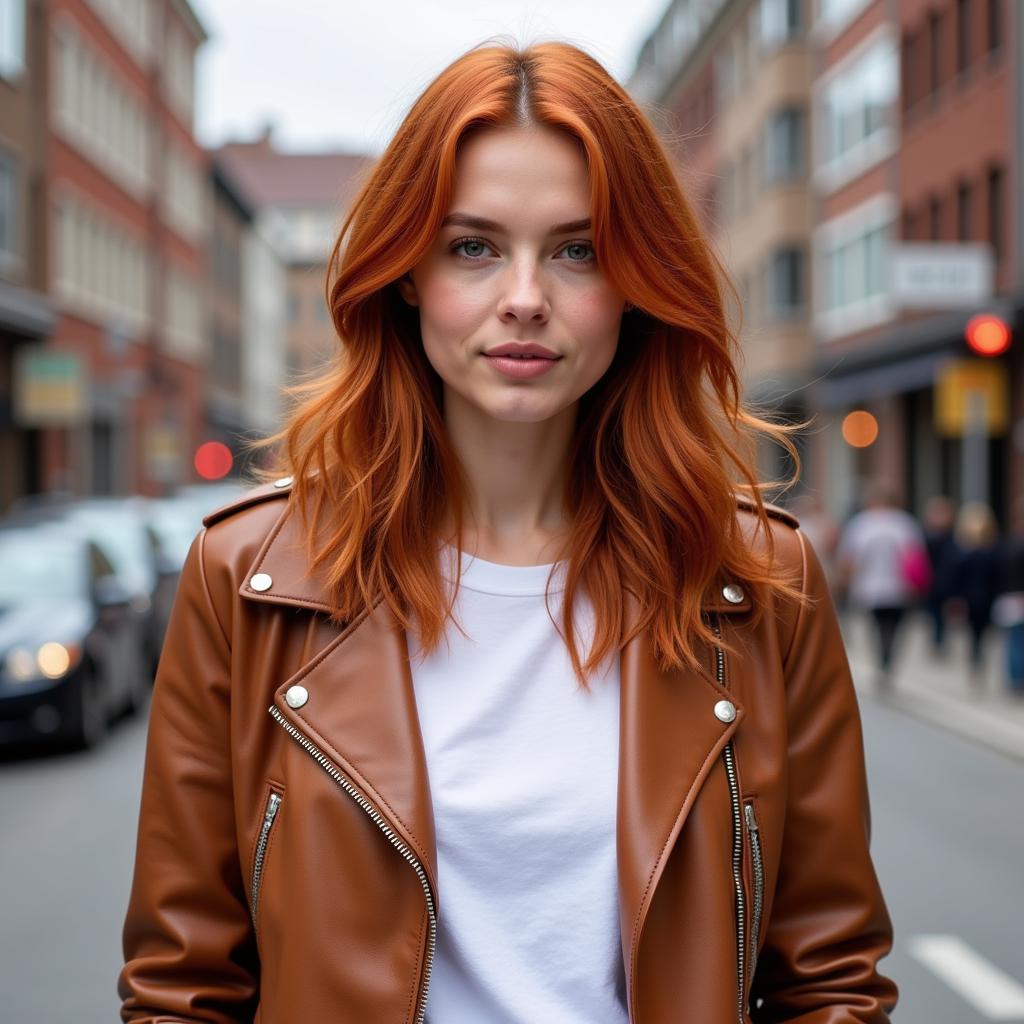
(916, 568)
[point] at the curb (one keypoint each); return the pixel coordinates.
(981, 725)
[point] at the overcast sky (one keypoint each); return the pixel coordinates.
(340, 74)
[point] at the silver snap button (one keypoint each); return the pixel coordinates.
(296, 696)
(261, 581)
(284, 481)
(725, 710)
(732, 593)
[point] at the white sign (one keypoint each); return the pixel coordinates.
(941, 275)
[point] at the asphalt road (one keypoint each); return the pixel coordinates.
(948, 841)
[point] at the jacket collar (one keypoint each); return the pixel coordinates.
(361, 712)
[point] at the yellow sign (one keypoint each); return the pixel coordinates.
(50, 387)
(971, 390)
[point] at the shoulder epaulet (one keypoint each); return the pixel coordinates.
(775, 511)
(252, 496)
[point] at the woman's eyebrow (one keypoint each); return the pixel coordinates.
(468, 220)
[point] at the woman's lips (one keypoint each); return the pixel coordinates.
(521, 367)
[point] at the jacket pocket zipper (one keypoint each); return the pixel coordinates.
(379, 820)
(273, 805)
(755, 851)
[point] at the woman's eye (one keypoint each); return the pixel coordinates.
(473, 245)
(585, 246)
(473, 250)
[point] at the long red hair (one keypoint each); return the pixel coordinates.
(663, 443)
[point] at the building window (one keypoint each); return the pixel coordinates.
(854, 250)
(934, 52)
(856, 110)
(910, 220)
(996, 213)
(785, 282)
(908, 70)
(963, 36)
(935, 219)
(781, 21)
(12, 38)
(8, 206)
(995, 25)
(784, 145)
(963, 212)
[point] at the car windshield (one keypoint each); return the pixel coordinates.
(123, 538)
(38, 565)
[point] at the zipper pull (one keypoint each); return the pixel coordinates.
(748, 810)
(271, 808)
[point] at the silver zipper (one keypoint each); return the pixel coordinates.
(737, 842)
(378, 819)
(755, 848)
(273, 803)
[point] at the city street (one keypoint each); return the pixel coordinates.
(947, 840)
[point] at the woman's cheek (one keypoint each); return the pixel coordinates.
(450, 305)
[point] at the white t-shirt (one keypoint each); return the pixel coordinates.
(523, 769)
(875, 541)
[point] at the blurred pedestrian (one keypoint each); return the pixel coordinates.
(939, 520)
(882, 564)
(978, 578)
(1008, 610)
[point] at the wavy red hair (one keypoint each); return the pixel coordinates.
(663, 443)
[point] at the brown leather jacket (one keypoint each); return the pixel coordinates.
(286, 868)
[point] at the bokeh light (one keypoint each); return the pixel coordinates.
(860, 429)
(213, 460)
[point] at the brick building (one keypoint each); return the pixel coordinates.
(26, 313)
(125, 215)
(728, 81)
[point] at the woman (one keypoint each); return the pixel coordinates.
(874, 552)
(382, 783)
(977, 579)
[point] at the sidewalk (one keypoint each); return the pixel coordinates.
(937, 689)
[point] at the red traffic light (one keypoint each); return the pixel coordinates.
(213, 460)
(987, 334)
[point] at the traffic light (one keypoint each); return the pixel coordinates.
(987, 334)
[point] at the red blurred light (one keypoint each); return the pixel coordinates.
(987, 335)
(213, 460)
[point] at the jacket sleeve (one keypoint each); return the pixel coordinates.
(188, 945)
(828, 923)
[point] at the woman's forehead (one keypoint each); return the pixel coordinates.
(505, 175)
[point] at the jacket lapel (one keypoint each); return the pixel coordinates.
(360, 708)
(361, 711)
(669, 739)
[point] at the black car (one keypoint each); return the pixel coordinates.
(120, 526)
(72, 651)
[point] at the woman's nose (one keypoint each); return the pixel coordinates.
(524, 297)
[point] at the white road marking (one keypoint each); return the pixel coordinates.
(990, 990)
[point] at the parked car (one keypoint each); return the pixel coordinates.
(121, 527)
(72, 651)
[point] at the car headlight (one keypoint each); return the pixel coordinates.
(50, 660)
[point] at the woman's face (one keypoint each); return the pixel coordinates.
(528, 275)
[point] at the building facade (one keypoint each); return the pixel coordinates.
(301, 200)
(729, 82)
(26, 312)
(126, 219)
(915, 236)
(858, 165)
